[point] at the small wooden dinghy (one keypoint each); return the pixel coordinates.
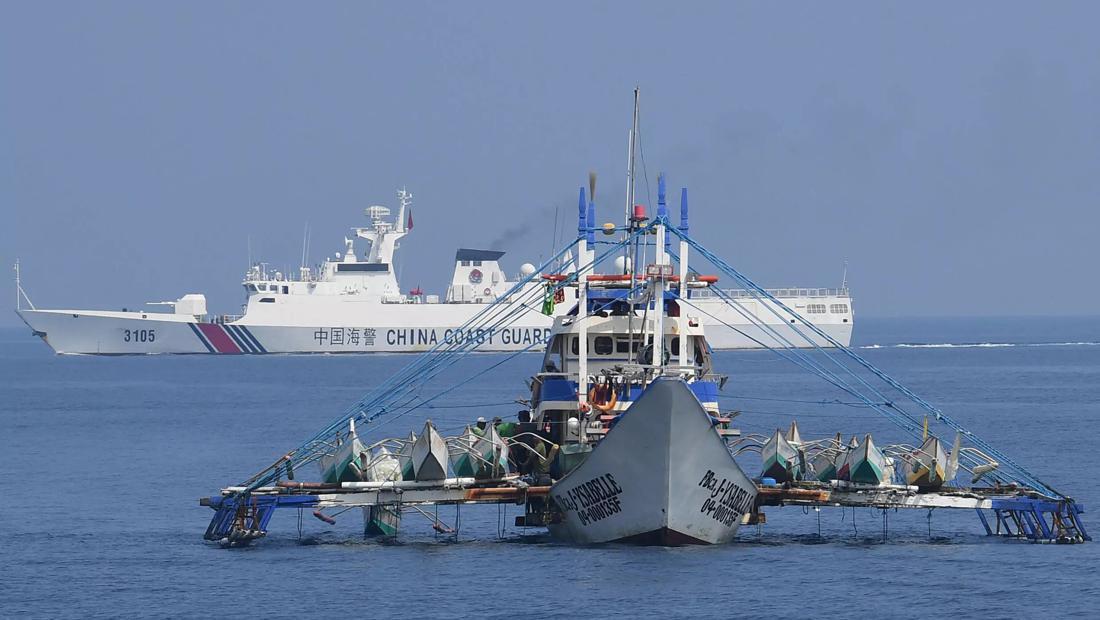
(793, 436)
(405, 458)
(780, 458)
(866, 464)
(382, 520)
(343, 464)
(429, 455)
(384, 465)
(463, 462)
(842, 467)
(824, 463)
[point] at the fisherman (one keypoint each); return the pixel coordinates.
(479, 427)
(539, 460)
(506, 430)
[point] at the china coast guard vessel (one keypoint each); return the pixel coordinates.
(353, 303)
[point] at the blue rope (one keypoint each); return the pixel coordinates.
(909, 423)
(401, 392)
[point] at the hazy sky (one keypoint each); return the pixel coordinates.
(949, 151)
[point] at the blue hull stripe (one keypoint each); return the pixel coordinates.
(239, 339)
(202, 338)
(248, 333)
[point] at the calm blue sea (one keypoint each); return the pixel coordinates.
(104, 460)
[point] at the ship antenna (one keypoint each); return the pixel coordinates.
(20, 294)
(844, 277)
(630, 185)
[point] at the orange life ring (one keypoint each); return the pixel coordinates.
(609, 404)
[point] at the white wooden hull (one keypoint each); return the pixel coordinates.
(662, 476)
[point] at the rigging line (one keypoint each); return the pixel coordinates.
(808, 364)
(940, 415)
(973, 459)
(645, 173)
(818, 368)
(795, 400)
(428, 358)
(799, 358)
(753, 288)
(382, 397)
(435, 360)
(415, 406)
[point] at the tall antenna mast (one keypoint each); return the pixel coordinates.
(18, 287)
(630, 162)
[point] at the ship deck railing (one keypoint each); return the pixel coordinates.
(776, 292)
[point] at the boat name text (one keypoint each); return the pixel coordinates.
(593, 500)
(727, 501)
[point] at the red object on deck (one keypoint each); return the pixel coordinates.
(416, 291)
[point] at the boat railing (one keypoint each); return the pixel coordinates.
(222, 319)
(739, 293)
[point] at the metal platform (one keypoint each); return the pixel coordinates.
(240, 518)
(1016, 514)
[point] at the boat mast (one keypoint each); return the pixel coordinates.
(627, 251)
(581, 269)
(659, 276)
(683, 277)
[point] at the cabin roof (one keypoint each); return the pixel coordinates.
(468, 254)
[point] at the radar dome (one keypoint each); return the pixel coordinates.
(526, 269)
(622, 264)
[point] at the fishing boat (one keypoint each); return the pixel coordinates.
(629, 392)
(629, 443)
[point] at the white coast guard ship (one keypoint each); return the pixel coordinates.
(352, 303)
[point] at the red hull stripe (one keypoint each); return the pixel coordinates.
(217, 337)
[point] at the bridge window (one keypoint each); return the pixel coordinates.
(477, 263)
(815, 309)
(603, 345)
(626, 345)
(286, 290)
(839, 308)
(267, 300)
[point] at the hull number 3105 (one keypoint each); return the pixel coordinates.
(139, 335)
